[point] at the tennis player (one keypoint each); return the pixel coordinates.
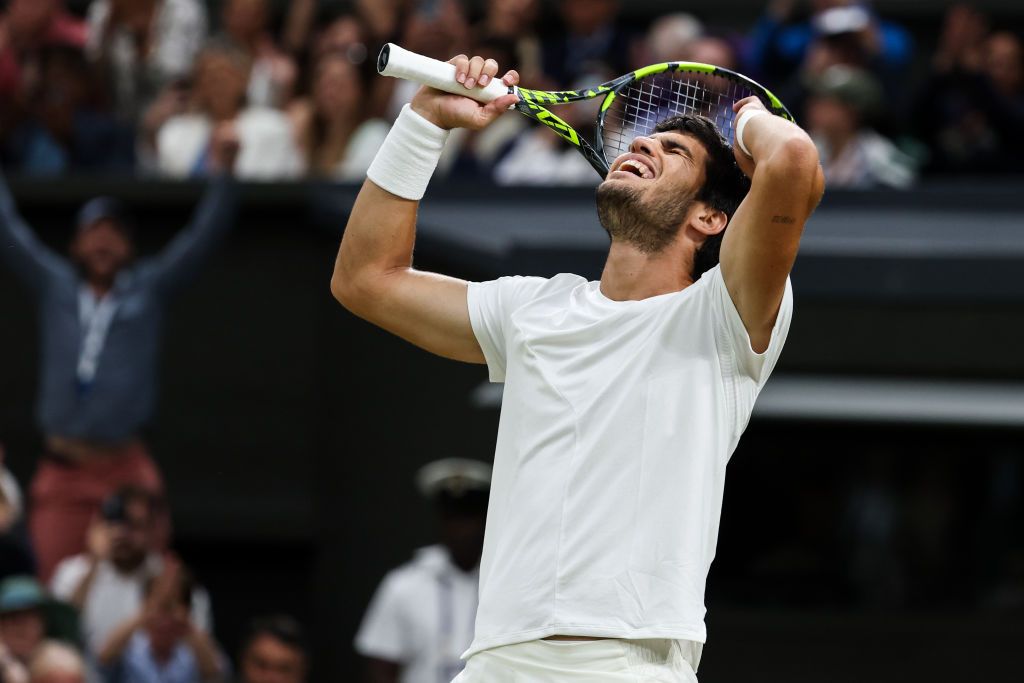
(624, 398)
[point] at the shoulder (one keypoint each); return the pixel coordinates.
(69, 569)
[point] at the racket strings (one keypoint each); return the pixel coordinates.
(639, 108)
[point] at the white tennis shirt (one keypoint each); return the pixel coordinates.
(617, 422)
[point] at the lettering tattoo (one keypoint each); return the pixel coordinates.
(785, 220)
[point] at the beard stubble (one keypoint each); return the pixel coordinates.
(649, 224)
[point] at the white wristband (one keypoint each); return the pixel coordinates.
(408, 157)
(741, 123)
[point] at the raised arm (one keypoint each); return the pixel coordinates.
(23, 252)
(761, 243)
(373, 275)
(180, 260)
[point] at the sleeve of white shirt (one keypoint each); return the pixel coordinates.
(384, 633)
(67, 576)
(745, 369)
(491, 305)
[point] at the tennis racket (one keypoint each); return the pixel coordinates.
(633, 103)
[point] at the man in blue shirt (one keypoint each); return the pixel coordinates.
(101, 316)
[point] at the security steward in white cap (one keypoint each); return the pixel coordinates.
(422, 616)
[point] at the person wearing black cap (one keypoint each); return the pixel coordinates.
(422, 615)
(101, 313)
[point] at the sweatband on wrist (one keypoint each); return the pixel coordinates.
(409, 155)
(741, 123)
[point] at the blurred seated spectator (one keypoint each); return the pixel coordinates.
(15, 553)
(423, 614)
(853, 155)
(274, 650)
(343, 35)
(970, 111)
(66, 127)
(590, 39)
(218, 107)
(668, 39)
(515, 21)
(144, 45)
(781, 38)
(28, 616)
(273, 74)
(106, 583)
(161, 643)
(336, 138)
(27, 26)
(55, 662)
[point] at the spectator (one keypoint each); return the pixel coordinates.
(970, 113)
(592, 39)
(273, 651)
(67, 127)
(337, 139)
(28, 615)
(183, 142)
(56, 662)
(26, 27)
(780, 42)
(107, 583)
(144, 45)
(15, 555)
(273, 74)
(101, 314)
(423, 615)
(22, 620)
(852, 154)
(161, 643)
(515, 21)
(669, 39)
(344, 35)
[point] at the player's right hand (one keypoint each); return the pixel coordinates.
(455, 111)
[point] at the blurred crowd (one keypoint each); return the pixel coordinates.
(144, 86)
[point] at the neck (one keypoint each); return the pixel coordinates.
(100, 288)
(631, 275)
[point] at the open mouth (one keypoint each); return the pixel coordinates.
(637, 168)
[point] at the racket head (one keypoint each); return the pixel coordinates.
(654, 93)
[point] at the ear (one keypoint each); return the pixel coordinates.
(706, 220)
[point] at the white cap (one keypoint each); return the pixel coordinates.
(453, 475)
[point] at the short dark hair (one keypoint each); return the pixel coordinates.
(724, 187)
(279, 627)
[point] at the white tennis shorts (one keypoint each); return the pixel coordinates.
(585, 661)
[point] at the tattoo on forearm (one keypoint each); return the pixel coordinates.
(783, 219)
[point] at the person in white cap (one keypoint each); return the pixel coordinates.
(421, 618)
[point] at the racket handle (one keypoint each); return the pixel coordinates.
(398, 62)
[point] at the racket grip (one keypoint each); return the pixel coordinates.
(398, 62)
